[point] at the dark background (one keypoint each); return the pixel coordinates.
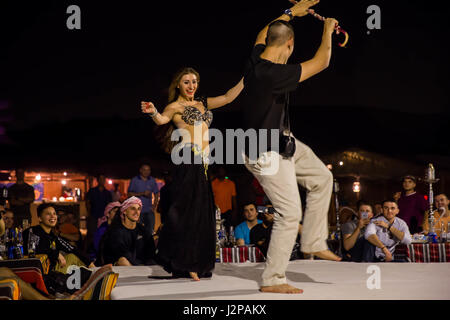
(71, 98)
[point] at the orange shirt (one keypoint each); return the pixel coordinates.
(68, 228)
(223, 193)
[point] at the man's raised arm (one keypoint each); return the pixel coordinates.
(300, 9)
(321, 59)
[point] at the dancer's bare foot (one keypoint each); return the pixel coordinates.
(281, 288)
(326, 255)
(194, 276)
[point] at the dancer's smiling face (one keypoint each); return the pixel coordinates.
(188, 85)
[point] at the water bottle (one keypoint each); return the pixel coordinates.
(218, 214)
(432, 237)
(448, 231)
(18, 250)
(25, 224)
(443, 236)
(231, 238)
(3, 249)
(9, 239)
(31, 245)
(217, 250)
(222, 236)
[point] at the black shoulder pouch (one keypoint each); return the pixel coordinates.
(287, 142)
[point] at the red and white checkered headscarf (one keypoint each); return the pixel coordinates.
(129, 202)
(108, 208)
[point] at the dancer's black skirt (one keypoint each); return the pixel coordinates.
(187, 240)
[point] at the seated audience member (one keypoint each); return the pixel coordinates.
(384, 233)
(378, 207)
(260, 234)
(441, 215)
(8, 218)
(127, 242)
(353, 232)
(102, 225)
(242, 231)
(59, 251)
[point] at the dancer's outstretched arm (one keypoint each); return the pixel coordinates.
(160, 118)
(220, 101)
(300, 9)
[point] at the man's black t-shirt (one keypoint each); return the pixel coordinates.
(136, 245)
(51, 245)
(260, 233)
(263, 97)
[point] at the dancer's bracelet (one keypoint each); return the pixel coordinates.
(154, 114)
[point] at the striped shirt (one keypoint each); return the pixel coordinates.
(385, 236)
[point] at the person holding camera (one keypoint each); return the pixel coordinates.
(260, 234)
(353, 232)
(242, 231)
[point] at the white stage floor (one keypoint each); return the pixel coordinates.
(320, 280)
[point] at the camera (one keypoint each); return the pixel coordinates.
(261, 209)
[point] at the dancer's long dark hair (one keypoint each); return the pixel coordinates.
(164, 132)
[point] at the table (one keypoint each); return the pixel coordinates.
(424, 252)
(30, 270)
(240, 254)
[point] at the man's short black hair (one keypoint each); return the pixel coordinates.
(278, 33)
(410, 177)
(42, 207)
(389, 200)
(363, 203)
(99, 174)
(248, 204)
(441, 194)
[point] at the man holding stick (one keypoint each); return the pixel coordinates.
(268, 78)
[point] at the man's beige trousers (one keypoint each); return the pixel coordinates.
(279, 178)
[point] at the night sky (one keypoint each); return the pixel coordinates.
(72, 97)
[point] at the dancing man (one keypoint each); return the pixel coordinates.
(267, 80)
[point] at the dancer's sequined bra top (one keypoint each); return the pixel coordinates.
(191, 114)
